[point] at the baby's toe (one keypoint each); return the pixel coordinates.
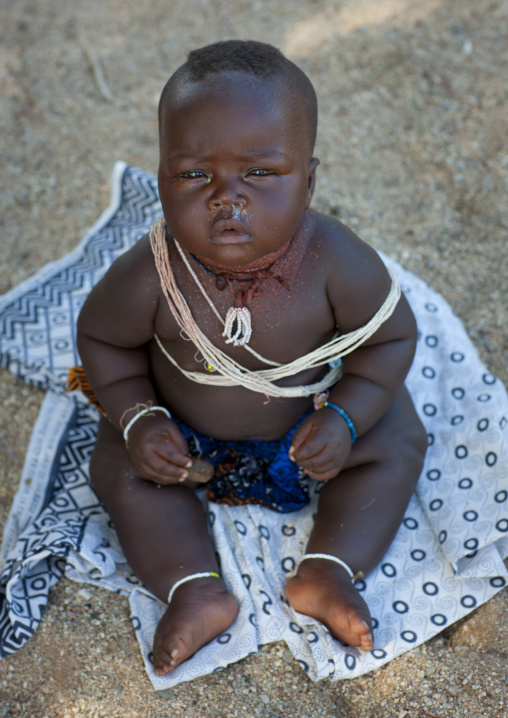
(365, 637)
(175, 656)
(167, 655)
(366, 642)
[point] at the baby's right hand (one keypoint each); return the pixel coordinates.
(158, 449)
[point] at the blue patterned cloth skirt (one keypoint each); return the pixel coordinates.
(251, 471)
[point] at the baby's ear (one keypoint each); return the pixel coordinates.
(311, 180)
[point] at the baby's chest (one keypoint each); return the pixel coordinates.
(285, 321)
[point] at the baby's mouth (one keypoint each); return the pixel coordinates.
(229, 231)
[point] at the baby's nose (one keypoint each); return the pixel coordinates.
(227, 196)
(236, 206)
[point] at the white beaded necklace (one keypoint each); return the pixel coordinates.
(228, 371)
(240, 315)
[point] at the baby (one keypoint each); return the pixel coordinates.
(211, 339)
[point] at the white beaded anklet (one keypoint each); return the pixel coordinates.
(203, 574)
(142, 413)
(328, 557)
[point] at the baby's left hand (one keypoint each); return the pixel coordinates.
(321, 444)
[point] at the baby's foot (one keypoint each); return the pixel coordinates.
(323, 590)
(200, 611)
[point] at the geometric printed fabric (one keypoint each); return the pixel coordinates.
(38, 318)
(445, 560)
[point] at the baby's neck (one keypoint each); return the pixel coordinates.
(263, 263)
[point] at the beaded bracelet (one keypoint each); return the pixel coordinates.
(142, 413)
(328, 557)
(201, 574)
(346, 418)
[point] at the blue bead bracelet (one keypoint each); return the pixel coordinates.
(346, 418)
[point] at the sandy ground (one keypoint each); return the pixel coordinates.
(414, 118)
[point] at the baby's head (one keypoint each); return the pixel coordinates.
(237, 125)
(223, 63)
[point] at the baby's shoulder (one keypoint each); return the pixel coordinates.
(137, 260)
(131, 282)
(354, 273)
(342, 251)
(121, 307)
(133, 271)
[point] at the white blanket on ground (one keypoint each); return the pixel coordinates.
(445, 561)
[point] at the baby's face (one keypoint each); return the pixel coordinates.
(234, 173)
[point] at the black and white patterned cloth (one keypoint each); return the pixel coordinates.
(445, 560)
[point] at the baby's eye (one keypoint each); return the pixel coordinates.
(193, 174)
(258, 172)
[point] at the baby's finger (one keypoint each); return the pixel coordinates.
(299, 438)
(178, 439)
(172, 447)
(322, 463)
(173, 456)
(310, 449)
(160, 471)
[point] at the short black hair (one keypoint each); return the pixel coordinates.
(251, 57)
(254, 58)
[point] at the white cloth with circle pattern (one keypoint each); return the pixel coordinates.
(446, 559)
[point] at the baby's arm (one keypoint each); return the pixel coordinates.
(114, 326)
(373, 374)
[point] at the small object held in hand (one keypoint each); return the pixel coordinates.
(201, 471)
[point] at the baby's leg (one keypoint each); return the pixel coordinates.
(164, 536)
(358, 516)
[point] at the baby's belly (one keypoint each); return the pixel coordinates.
(230, 412)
